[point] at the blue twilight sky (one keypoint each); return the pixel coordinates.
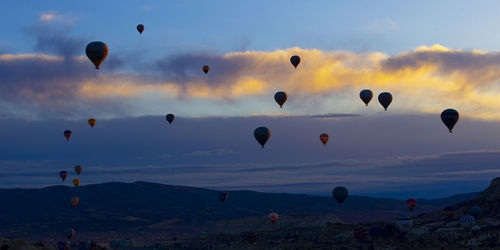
(430, 55)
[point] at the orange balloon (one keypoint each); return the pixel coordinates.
(74, 201)
(324, 138)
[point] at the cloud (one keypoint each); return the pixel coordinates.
(427, 79)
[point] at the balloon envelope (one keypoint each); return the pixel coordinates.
(205, 69)
(273, 217)
(449, 211)
(262, 134)
(251, 237)
(74, 201)
(76, 182)
(366, 96)
(78, 169)
(450, 118)
(324, 138)
(97, 52)
(63, 175)
(223, 196)
(385, 99)
(280, 98)
(467, 221)
(70, 233)
(411, 204)
(92, 122)
(340, 194)
(68, 134)
(295, 60)
(140, 28)
(170, 118)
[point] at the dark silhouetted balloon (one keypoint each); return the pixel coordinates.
(449, 211)
(170, 118)
(205, 69)
(450, 118)
(340, 194)
(140, 28)
(411, 204)
(385, 99)
(273, 217)
(295, 60)
(78, 169)
(366, 96)
(262, 134)
(324, 138)
(280, 98)
(63, 175)
(203, 235)
(92, 122)
(67, 134)
(97, 52)
(223, 196)
(251, 237)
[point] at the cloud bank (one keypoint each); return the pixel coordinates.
(58, 81)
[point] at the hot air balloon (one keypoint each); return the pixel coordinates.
(170, 118)
(223, 196)
(324, 138)
(360, 233)
(340, 194)
(280, 97)
(467, 221)
(385, 99)
(203, 235)
(449, 211)
(63, 175)
(366, 96)
(449, 118)
(70, 233)
(251, 237)
(78, 169)
(475, 211)
(404, 223)
(92, 122)
(273, 217)
(262, 134)
(295, 60)
(205, 69)
(97, 52)
(411, 204)
(67, 134)
(74, 201)
(76, 182)
(140, 28)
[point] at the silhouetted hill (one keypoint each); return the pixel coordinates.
(127, 207)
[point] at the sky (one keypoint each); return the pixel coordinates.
(430, 56)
